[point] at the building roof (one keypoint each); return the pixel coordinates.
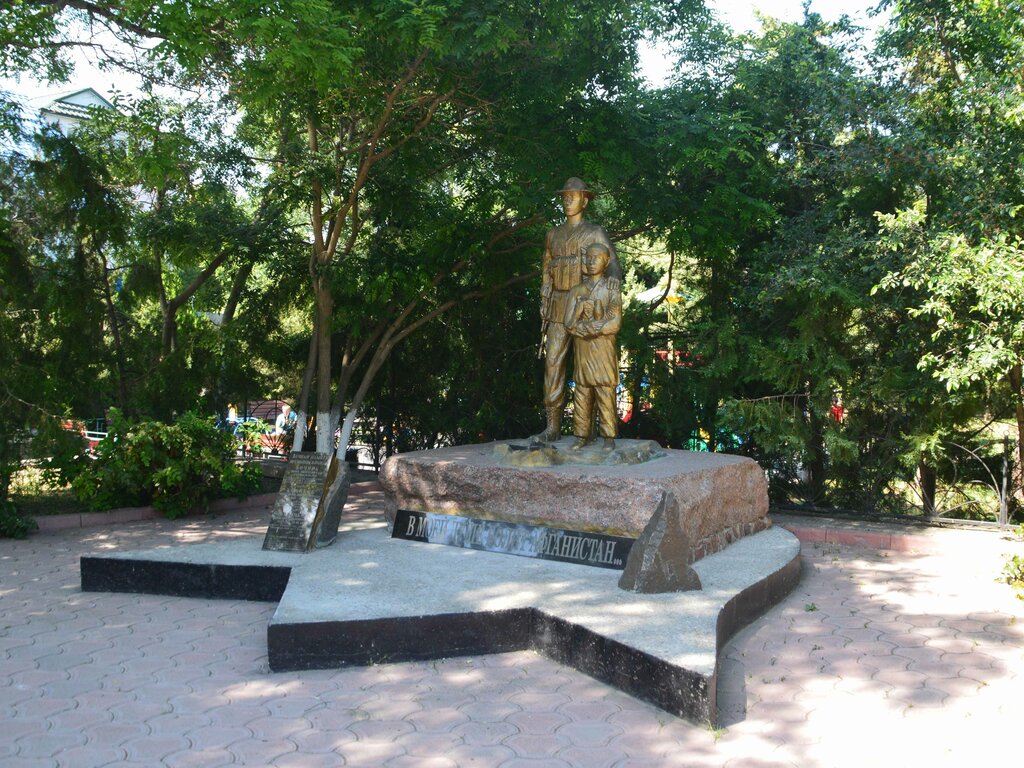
(74, 104)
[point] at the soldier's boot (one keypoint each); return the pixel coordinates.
(553, 431)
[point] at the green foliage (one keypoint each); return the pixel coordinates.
(13, 525)
(175, 467)
(251, 434)
(60, 452)
(782, 176)
(972, 291)
(1013, 572)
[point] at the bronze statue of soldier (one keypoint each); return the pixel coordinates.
(561, 271)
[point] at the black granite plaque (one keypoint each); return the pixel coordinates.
(581, 547)
(299, 506)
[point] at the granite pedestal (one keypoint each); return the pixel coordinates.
(680, 505)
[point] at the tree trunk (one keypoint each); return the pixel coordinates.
(122, 378)
(378, 359)
(302, 408)
(237, 286)
(322, 331)
(815, 451)
(926, 478)
(1016, 377)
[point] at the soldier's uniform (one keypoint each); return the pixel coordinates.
(562, 271)
(597, 357)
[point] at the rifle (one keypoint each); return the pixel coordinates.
(545, 310)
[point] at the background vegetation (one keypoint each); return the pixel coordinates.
(342, 204)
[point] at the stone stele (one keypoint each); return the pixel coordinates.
(680, 506)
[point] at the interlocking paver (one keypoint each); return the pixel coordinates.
(162, 744)
(306, 760)
(48, 744)
(428, 745)
(27, 762)
(537, 723)
(42, 707)
(372, 753)
(93, 755)
(440, 719)
(536, 746)
(381, 730)
(588, 733)
(482, 733)
(315, 741)
(920, 651)
(533, 763)
(259, 751)
(419, 761)
(199, 758)
(589, 710)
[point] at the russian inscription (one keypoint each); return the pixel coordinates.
(580, 547)
(294, 520)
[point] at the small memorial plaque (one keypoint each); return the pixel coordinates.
(300, 506)
(581, 547)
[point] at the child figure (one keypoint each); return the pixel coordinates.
(593, 316)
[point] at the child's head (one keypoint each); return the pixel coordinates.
(596, 259)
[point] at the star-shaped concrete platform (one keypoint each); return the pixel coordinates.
(371, 599)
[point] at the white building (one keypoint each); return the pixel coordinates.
(70, 109)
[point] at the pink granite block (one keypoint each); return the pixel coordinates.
(716, 497)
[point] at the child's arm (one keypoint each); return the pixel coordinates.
(612, 314)
(612, 321)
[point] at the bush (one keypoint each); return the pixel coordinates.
(1013, 574)
(174, 467)
(13, 525)
(1013, 570)
(60, 453)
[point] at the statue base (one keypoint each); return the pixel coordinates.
(535, 453)
(679, 506)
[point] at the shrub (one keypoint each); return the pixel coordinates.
(1013, 574)
(252, 434)
(60, 452)
(174, 467)
(1013, 570)
(13, 525)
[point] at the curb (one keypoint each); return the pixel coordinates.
(135, 514)
(897, 542)
(927, 541)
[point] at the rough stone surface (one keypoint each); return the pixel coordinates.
(659, 560)
(530, 453)
(719, 497)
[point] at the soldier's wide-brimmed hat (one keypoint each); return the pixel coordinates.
(577, 185)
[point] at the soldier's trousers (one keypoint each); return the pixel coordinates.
(557, 356)
(583, 403)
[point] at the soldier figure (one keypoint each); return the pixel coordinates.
(562, 270)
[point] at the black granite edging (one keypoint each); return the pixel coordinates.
(748, 604)
(677, 690)
(263, 583)
(332, 644)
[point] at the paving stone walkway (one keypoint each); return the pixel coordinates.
(878, 658)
